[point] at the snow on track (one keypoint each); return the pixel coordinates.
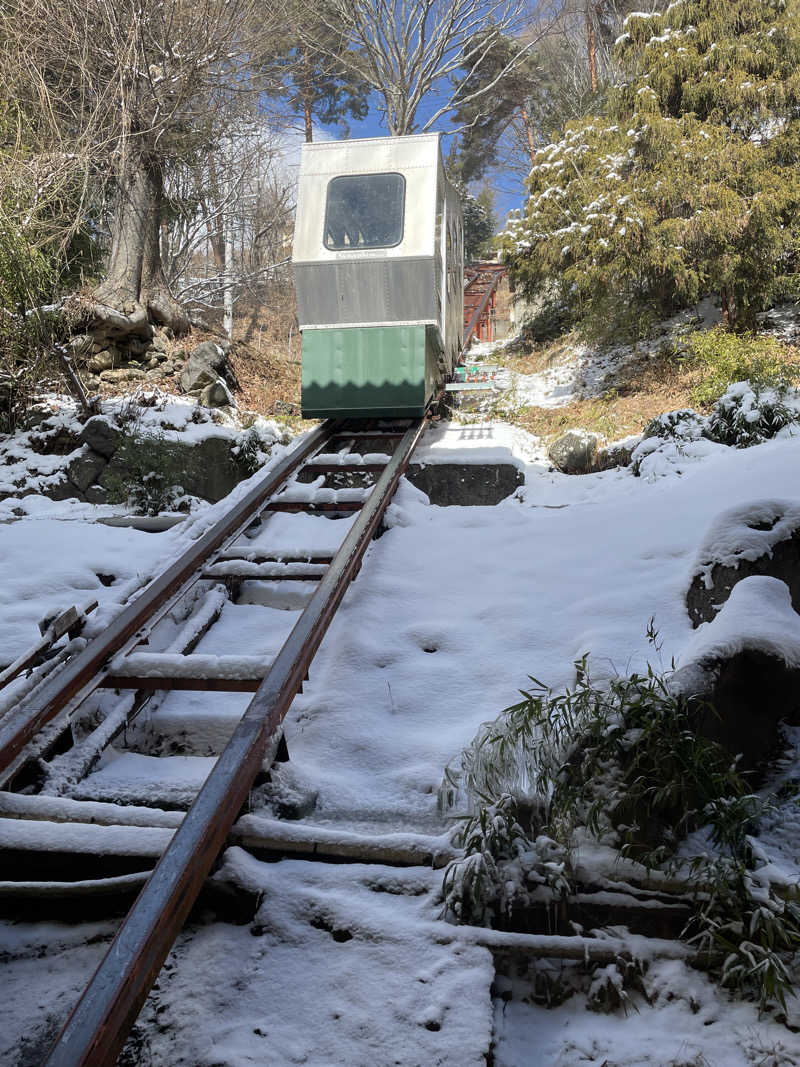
(453, 609)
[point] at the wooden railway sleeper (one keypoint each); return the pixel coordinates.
(63, 692)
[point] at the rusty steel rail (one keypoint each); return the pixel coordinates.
(80, 675)
(95, 1032)
(497, 272)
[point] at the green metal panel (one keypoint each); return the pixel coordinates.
(369, 370)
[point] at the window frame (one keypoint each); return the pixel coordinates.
(365, 247)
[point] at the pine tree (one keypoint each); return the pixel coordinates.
(689, 184)
(308, 70)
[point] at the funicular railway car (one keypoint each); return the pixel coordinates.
(378, 266)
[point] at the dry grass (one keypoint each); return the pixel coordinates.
(643, 390)
(269, 378)
(266, 356)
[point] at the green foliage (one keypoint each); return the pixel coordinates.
(727, 357)
(686, 184)
(250, 452)
(551, 319)
(25, 333)
(633, 740)
(747, 415)
(479, 222)
(146, 474)
(305, 71)
(472, 886)
(624, 763)
(738, 912)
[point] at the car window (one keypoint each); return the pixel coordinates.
(365, 211)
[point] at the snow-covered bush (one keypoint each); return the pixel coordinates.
(249, 452)
(748, 413)
(503, 866)
(621, 763)
(667, 441)
(684, 424)
(255, 446)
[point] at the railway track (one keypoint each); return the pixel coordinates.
(56, 780)
(127, 769)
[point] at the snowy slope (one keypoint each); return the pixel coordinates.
(453, 609)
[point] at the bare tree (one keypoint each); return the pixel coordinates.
(142, 85)
(406, 48)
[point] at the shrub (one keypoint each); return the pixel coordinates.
(684, 183)
(726, 357)
(623, 763)
(25, 334)
(550, 319)
(748, 414)
(253, 450)
(684, 424)
(146, 474)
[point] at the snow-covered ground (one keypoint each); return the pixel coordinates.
(453, 609)
(580, 371)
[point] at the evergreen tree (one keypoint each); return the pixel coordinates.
(480, 225)
(689, 184)
(503, 99)
(308, 72)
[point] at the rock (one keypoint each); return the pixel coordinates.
(85, 468)
(574, 452)
(152, 363)
(203, 367)
(616, 454)
(760, 538)
(80, 345)
(137, 347)
(742, 671)
(102, 361)
(124, 374)
(216, 395)
(207, 469)
(168, 367)
(159, 344)
(63, 490)
(101, 436)
(96, 494)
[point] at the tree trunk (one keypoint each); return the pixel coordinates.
(307, 97)
(526, 121)
(135, 287)
(307, 119)
(726, 309)
(591, 44)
